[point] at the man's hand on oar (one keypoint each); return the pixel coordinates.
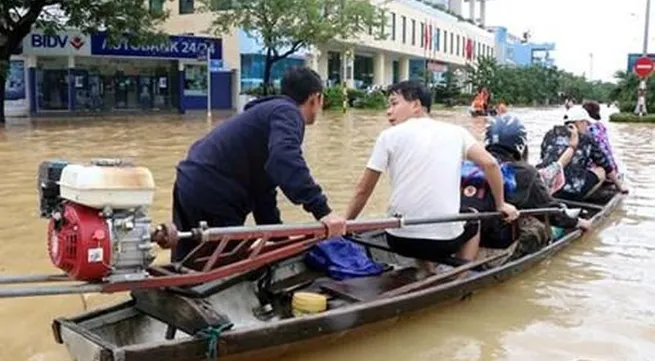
(509, 211)
(335, 224)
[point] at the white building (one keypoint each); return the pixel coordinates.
(427, 34)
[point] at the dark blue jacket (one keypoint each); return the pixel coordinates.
(236, 168)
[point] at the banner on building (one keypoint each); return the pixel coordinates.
(15, 101)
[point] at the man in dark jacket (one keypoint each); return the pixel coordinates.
(506, 140)
(235, 169)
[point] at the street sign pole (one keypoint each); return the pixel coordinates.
(640, 109)
(204, 55)
(209, 85)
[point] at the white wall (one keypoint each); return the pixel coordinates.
(198, 23)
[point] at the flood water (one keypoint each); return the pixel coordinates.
(593, 301)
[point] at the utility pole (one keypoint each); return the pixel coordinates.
(591, 66)
(641, 93)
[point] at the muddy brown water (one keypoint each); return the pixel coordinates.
(593, 301)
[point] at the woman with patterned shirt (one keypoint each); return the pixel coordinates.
(589, 166)
(599, 132)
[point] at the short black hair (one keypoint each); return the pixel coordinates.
(413, 90)
(300, 82)
(593, 108)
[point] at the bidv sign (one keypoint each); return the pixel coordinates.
(178, 47)
(58, 44)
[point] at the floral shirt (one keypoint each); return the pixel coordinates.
(599, 133)
(553, 177)
(587, 155)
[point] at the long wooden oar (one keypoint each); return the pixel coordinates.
(313, 233)
(318, 229)
(586, 205)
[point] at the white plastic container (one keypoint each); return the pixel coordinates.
(118, 187)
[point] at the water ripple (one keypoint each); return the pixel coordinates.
(593, 301)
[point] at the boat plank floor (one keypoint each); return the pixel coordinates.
(368, 288)
(187, 314)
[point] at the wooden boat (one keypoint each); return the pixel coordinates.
(253, 309)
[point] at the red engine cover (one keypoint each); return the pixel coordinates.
(81, 245)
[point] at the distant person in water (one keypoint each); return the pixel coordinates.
(501, 108)
(568, 103)
(480, 104)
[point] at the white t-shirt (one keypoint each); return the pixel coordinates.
(424, 158)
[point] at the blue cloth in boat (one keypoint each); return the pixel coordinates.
(474, 175)
(342, 259)
(557, 232)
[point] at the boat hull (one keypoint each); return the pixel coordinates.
(85, 343)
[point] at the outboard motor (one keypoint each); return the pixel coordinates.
(48, 186)
(98, 228)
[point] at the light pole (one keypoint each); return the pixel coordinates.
(591, 66)
(641, 93)
(347, 70)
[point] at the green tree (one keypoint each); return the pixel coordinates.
(286, 26)
(19, 17)
(484, 73)
(625, 92)
(534, 84)
(447, 91)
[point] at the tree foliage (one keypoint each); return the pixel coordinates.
(447, 91)
(625, 92)
(534, 84)
(19, 17)
(286, 26)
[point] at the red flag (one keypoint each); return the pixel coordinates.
(425, 35)
(430, 36)
(469, 49)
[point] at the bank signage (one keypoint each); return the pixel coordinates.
(77, 44)
(63, 43)
(178, 47)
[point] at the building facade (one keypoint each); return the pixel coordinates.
(513, 50)
(419, 37)
(73, 72)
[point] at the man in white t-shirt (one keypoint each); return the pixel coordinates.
(423, 157)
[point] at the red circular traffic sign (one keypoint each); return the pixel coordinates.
(644, 66)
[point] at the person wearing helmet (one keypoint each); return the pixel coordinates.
(506, 139)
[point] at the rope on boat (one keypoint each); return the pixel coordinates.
(213, 334)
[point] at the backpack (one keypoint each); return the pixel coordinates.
(475, 193)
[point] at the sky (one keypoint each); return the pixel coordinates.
(608, 29)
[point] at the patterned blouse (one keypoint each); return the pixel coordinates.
(599, 133)
(587, 155)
